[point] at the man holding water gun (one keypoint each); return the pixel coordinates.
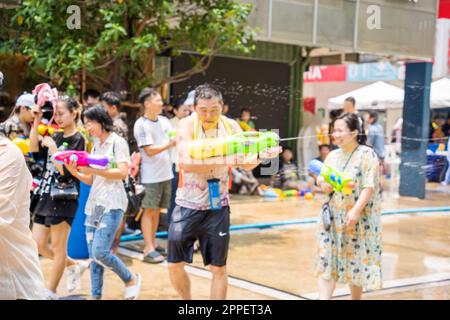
(202, 210)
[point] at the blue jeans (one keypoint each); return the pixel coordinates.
(99, 242)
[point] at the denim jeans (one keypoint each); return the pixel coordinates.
(99, 242)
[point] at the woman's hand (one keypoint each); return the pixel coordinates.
(71, 167)
(37, 113)
(352, 217)
(325, 186)
(50, 144)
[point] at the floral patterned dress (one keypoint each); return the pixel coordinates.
(352, 255)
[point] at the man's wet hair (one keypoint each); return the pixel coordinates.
(207, 92)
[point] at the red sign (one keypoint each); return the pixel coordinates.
(444, 9)
(334, 73)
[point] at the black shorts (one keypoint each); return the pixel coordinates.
(211, 228)
(51, 220)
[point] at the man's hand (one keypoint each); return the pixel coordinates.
(271, 153)
(240, 159)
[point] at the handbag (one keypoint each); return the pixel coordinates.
(135, 194)
(63, 191)
(326, 214)
(63, 188)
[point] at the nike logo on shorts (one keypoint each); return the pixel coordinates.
(221, 234)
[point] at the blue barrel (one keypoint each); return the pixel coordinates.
(77, 245)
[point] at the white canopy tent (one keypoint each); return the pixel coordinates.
(376, 96)
(440, 94)
(381, 95)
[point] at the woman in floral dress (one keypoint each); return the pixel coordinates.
(350, 252)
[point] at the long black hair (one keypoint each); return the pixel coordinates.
(354, 123)
(98, 114)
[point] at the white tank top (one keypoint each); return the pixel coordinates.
(193, 192)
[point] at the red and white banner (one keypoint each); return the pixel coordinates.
(332, 73)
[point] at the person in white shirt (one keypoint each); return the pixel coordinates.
(151, 132)
(181, 111)
(20, 272)
(107, 202)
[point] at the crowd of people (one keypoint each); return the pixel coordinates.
(196, 192)
(97, 126)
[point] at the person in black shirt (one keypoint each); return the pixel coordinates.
(54, 217)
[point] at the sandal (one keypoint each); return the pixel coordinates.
(153, 257)
(161, 251)
(132, 292)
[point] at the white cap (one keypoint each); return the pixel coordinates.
(26, 100)
(190, 98)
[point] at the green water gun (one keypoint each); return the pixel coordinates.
(250, 142)
(339, 180)
(172, 134)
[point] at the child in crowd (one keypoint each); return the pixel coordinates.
(288, 176)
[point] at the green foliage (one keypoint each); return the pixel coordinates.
(120, 38)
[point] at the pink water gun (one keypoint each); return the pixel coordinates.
(82, 158)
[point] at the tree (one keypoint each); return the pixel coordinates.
(113, 44)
